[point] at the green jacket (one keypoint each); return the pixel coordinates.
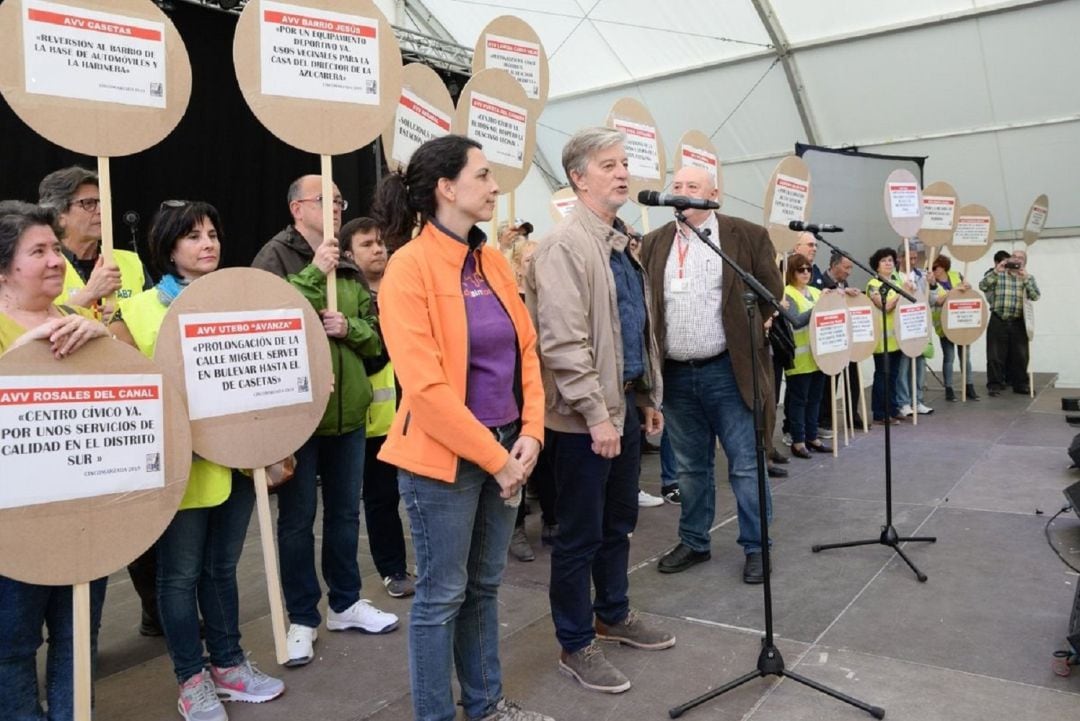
(289, 255)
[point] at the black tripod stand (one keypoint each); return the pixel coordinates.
(889, 537)
(770, 662)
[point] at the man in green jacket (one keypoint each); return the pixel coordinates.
(335, 454)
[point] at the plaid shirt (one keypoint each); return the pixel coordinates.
(1006, 293)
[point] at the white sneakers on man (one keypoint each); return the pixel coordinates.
(647, 500)
(925, 409)
(363, 617)
(905, 411)
(300, 642)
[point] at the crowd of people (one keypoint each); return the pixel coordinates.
(463, 369)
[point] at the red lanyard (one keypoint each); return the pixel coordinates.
(680, 250)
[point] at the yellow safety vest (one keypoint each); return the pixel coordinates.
(383, 402)
(132, 279)
(209, 484)
(804, 359)
(935, 312)
(889, 341)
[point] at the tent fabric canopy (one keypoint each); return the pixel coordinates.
(989, 91)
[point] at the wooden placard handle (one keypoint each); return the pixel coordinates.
(80, 608)
(270, 565)
(328, 226)
(105, 194)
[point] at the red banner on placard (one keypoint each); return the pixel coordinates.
(497, 109)
(209, 330)
(330, 26)
(427, 114)
(76, 394)
(701, 157)
(782, 182)
(520, 49)
(81, 23)
(643, 132)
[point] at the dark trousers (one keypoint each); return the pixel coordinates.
(1006, 353)
(543, 478)
(386, 537)
(597, 506)
(801, 405)
(885, 408)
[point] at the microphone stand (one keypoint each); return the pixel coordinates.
(889, 537)
(770, 662)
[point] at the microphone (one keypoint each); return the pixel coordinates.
(651, 197)
(815, 227)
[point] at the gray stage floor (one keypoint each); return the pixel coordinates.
(974, 642)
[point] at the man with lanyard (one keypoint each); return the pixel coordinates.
(1007, 286)
(587, 296)
(89, 282)
(702, 327)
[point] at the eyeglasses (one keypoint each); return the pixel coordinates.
(338, 202)
(174, 204)
(88, 204)
(804, 269)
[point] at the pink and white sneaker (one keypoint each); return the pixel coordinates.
(245, 683)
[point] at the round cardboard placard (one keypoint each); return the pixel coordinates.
(643, 144)
(509, 43)
(321, 75)
(939, 204)
(975, 231)
(913, 324)
(76, 540)
(865, 324)
(964, 316)
(229, 325)
(95, 68)
(787, 198)
(830, 329)
(903, 203)
(562, 202)
(695, 149)
(425, 111)
(493, 110)
(1036, 219)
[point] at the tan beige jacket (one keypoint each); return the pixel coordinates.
(570, 293)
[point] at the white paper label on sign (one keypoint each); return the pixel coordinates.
(964, 313)
(243, 361)
(698, 158)
(501, 128)
(789, 199)
(904, 200)
(641, 148)
(938, 212)
(319, 55)
(1036, 220)
(913, 321)
(415, 123)
(520, 58)
(831, 330)
(68, 437)
(564, 205)
(972, 230)
(76, 53)
(862, 325)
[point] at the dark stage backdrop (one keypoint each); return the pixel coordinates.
(218, 153)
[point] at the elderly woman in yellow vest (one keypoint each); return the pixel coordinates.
(199, 551)
(885, 410)
(942, 280)
(805, 382)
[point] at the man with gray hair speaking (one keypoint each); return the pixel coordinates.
(588, 297)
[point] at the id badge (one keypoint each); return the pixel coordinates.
(680, 285)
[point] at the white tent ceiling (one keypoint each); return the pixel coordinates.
(989, 91)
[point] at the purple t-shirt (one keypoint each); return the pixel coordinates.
(492, 351)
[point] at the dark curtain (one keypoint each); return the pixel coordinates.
(219, 153)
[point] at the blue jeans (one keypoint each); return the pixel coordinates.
(669, 471)
(883, 408)
(24, 607)
(802, 405)
(461, 533)
(903, 380)
(702, 403)
(339, 463)
(948, 353)
(597, 505)
(196, 573)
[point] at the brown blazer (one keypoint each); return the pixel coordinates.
(748, 245)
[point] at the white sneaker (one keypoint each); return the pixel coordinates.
(647, 500)
(825, 433)
(301, 644)
(787, 439)
(905, 411)
(925, 409)
(363, 617)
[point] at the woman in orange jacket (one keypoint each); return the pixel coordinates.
(468, 430)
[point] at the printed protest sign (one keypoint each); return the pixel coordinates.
(913, 320)
(964, 313)
(938, 212)
(789, 199)
(520, 58)
(416, 122)
(501, 127)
